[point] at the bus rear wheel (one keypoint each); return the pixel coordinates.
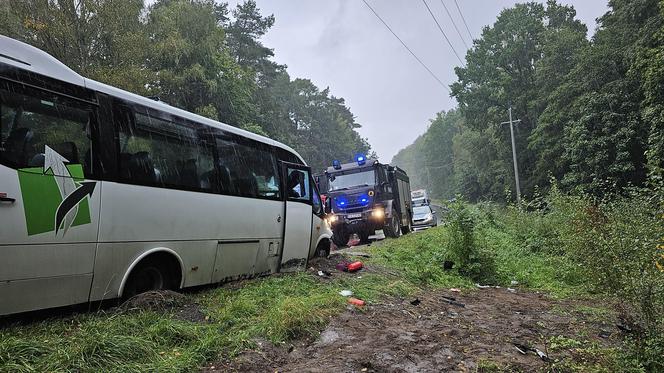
(151, 274)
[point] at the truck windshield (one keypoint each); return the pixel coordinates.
(352, 180)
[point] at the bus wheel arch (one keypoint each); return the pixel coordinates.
(155, 269)
(323, 247)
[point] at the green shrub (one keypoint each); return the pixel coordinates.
(470, 257)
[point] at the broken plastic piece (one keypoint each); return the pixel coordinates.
(455, 290)
(356, 302)
(342, 266)
(542, 355)
(483, 286)
(346, 293)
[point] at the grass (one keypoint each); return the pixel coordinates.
(277, 308)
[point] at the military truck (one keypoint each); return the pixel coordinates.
(366, 197)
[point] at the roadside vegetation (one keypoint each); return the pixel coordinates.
(570, 247)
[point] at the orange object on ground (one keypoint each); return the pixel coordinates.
(356, 302)
(355, 266)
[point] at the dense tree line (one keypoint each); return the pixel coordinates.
(592, 111)
(198, 55)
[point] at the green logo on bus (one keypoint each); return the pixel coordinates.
(54, 196)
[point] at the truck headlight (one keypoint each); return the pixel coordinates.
(378, 213)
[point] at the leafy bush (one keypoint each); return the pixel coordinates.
(470, 257)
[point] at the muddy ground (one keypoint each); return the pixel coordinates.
(431, 334)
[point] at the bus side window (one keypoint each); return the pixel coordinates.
(164, 153)
(249, 165)
(31, 120)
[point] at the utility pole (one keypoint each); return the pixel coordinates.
(516, 167)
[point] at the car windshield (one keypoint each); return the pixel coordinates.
(346, 181)
(421, 210)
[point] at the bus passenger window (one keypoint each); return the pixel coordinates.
(155, 151)
(30, 123)
(250, 166)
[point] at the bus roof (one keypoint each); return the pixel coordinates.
(27, 57)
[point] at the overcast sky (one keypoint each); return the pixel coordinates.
(341, 44)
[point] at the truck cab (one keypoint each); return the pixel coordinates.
(366, 197)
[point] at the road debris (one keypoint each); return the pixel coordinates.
(355, 266)
(452, 301)
(346, 293)
(455, 290)
(356, 302)
(357, 253)
(523, 349)
(324, 274)
(511, 290)
(415, 302)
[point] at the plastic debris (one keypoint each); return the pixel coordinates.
(483, 286)
(523, 349)
(346, 293)
(511, 290)
(355, 266)
(542, 355)
(356, 302)
(415, 302)
(514, 282)
(364, 255)
(604, 334)
(454, 303)
(354, 240)
(455, 290)
(324, 274)
(342, 266)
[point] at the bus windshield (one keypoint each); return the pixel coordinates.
(346, 181)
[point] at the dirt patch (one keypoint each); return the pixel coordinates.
(435, 335)
(164, 301)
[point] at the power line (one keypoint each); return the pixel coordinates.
(454, 24)
(443, 32)
(405, 46)
(463, 19)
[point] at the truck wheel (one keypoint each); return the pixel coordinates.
(408, 228)
(394, 226)
(364, 237)
(340, 237)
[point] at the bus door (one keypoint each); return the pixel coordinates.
(48, 210)
(298, 215)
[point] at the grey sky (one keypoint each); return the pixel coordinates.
(341, 44)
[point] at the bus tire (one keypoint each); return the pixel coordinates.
(323, 249)
(158, 271)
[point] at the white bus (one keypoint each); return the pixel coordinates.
(106, 194)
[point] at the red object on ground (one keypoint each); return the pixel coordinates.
(356, 302)
(355, 266)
